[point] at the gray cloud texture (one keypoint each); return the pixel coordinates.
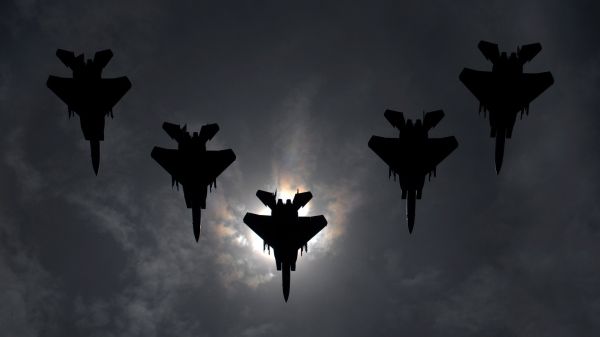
(298, 89)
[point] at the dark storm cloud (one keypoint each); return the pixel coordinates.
(298, 89)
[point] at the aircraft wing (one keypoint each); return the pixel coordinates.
(533, 85)
(309, 226)
(437, 149)
(262, 225)
(65, 89)
(111, 90)
(168, 159)
(386, 148)
(100, 97)
(479, 83)
(218, 161)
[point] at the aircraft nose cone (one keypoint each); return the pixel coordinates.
(499, 153)
(196, 221)
(286, 282)
(197, 231)
(498, 163)
(95, 149)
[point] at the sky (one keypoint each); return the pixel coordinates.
(298, 88)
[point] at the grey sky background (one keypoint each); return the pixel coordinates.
(298, 89)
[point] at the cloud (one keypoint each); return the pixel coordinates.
(29, 294)
(29, 178)
(265, 329)
(298, 90)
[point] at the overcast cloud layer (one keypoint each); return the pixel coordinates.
(297, 90)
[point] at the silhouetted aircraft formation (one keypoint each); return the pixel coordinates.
(504, 92)
(285, 231)
(89, 95)
(412, 155)
(193, 166)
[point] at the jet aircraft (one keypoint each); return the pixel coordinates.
(193, 166)
(506, 90)
(412, 155)
(89, 95)
(285, 231)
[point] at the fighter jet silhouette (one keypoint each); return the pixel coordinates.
(506, 90)
(412, 155)
(193, 166)
(285, 231)
(89, 95)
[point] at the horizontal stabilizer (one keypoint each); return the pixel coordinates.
(527, 52)
(301, 199)
(66, 57)
(396, 118)
(175, 131)
(101, 58)
(267, 198)
(208, 131)
(489, 50)
(432, 118)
